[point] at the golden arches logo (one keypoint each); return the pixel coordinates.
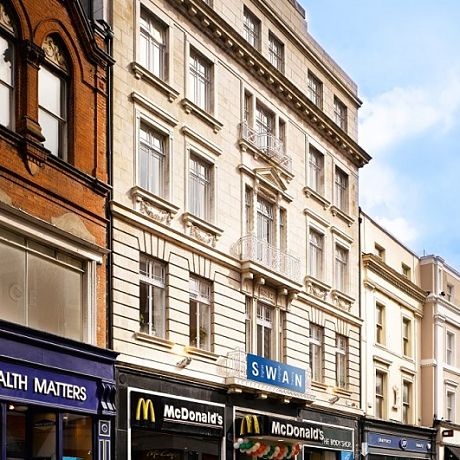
(146, 407)
(247, 424)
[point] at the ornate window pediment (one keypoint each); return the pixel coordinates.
(271, 178)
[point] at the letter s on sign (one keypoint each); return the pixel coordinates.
(255, 369)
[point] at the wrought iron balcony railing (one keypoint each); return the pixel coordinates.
(253, 249)
(267, 143)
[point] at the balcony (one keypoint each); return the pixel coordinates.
(253, 250)
(267, 144)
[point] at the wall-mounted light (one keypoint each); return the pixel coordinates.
(334, 399)
(184, 362)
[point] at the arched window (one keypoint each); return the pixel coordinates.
(53, 97)
(7, 33)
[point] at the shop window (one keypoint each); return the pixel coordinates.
(7, 52)
(152, 308)
(53, 98)
(200, 313)
(43, 287)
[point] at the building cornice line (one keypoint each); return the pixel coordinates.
(375, 264)
(234, 45)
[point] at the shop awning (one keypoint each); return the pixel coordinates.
(452, 453)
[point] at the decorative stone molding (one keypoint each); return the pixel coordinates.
(267, 294)
(310, 193)
(73, 224)
(33, 53)
(200, 230)
(141, 73)
(153, 108)
(54, 53)
(342, 300)
(192, 108)
(153, 206)
(336, 212)
(5, 20)
(316, 288)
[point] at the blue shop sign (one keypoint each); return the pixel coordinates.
(45, 387)
(275, 373)
(344, 455)
(387, 441)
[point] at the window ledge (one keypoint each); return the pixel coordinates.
(343, 391)
(310, 193)
(142, 336)
(140, 72)
(202, 353)
(318, 385)
(342, 300)
(191, 107)
(316, 287)
(201, 230)
(342, 215)
(153, 206)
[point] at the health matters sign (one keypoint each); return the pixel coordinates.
(275, 373)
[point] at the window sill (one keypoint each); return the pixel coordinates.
(202, 353)
(342, 391)
(190, 107)
(201, 230)
(316, 287)
(153, 206)
(141, 73)
(142, 336)
(310, 193)
(342, 300)
(336, 212)
(318, 385)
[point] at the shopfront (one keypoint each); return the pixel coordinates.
(56, 397)
(161, 418)
(398, 442)
(271, 437)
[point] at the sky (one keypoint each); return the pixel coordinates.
(404, 56)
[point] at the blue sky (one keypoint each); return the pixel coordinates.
(403, 54)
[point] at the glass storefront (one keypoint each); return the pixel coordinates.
(35, 433)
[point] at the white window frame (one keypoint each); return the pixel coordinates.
(251, 28)
(9, 86)
(451, 403)
(315, 90)
(46, 235)
(341, 360)
(316, 253)
(340, 114)
(153, 282)
(381, 398)
(316, 161)
(450, 348)
(209, 199)
(200, 77)
(201, 294)
(449, 292)
(341, 189)
(406, 336)
(155, 26)
(276, 52)
(341, 267)
(407, 403)
(380, 325)
(316, 352)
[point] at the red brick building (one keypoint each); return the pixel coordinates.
(56, 377)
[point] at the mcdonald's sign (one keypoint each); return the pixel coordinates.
(249, 425)
(145, 409)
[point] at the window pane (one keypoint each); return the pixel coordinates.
(12, 286)
(55, 298)
(5, 107)
(77, 437)
(49, 86)
(44, 436)
(205, 320)
(50, 129)
(194, 323)
(15, 435)
(144, 308)
(6, 58)
(158, 311)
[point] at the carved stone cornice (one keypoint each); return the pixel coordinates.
(380, 268)
(228, 39)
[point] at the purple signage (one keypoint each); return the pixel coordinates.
(387, 441)
(47, 387)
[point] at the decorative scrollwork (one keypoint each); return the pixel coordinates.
(54, 53)
(5, 20)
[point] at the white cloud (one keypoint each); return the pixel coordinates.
(400, 228)
(402, 113)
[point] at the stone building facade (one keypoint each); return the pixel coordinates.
(57, 378)
(235, 232)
